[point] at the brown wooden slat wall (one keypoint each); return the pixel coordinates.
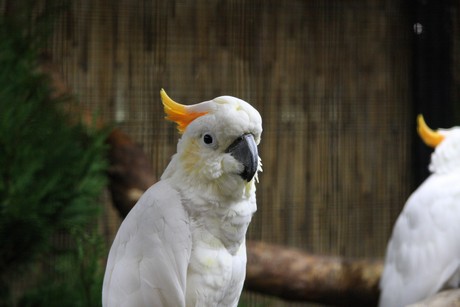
(330, 78)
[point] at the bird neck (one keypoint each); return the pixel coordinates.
(223, 206)
(225, 220)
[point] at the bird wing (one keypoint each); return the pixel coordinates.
(148, 260)
(423, 253)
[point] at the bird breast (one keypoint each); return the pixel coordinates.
(216, 273)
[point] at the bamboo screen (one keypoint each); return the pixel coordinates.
(331, 80)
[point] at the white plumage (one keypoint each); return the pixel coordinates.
(423, 254)
(183, 243)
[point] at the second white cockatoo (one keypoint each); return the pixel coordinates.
(183, 243)
(423, 254)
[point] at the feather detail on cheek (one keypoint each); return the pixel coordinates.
(178, 113)
(189, 157)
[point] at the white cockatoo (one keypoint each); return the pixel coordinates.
(183, 243)
(423, 254)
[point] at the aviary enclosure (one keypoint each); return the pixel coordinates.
(338, 85)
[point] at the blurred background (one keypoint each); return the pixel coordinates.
(338, 85)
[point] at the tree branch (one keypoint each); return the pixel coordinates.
(295, 275)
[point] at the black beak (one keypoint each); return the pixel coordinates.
(244, 149)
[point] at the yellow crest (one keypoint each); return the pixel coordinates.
(430, 138)
(178, 113)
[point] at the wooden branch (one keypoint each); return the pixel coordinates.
(130, 171)
(295, 275)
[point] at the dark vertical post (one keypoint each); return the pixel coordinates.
(432, 77)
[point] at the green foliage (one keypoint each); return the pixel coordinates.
(81, 288)
(51, 173)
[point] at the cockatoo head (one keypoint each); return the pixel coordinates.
(446, 144)
(218, 147)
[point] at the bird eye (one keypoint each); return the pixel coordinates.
(209, 139)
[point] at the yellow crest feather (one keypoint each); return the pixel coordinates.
(178, 113)
(430, 138)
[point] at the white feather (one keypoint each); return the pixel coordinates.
(148, 260)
